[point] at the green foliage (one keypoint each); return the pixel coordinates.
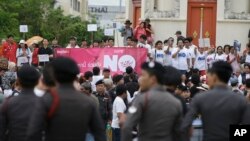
(42, 19)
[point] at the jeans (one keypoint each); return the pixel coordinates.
(116, 134)
(89, 137)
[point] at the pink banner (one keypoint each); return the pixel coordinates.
(116, 59)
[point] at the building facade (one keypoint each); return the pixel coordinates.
(74, 7)
(222, 21)
(105, 14)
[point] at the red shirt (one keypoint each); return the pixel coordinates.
(35, 56)
(9, 51)
(138, 32)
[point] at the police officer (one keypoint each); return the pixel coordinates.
(105, 107)
(65, 114)
(218, 107)
(157, 112)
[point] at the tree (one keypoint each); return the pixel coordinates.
(42, 19)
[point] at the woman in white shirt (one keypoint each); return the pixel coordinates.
(210, 58)
(119, 109)
(23, 53)
(220, 56)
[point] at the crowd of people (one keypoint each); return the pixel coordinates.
(179, 82)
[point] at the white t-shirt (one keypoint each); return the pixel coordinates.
(95, 79)
(168, 56)
(221, 57)
(200, 61)
(118, 107)
(247, 58)
(210, 60)
(191, 53)
(180, 62)
(147, 46)
(158, 55)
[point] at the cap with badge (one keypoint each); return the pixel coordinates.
(99, 82)
(155, 68)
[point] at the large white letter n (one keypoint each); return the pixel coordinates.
(110, 63)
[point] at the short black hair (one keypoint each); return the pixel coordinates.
(96, 71)
(154, 69)
(226, 46)
(96, 41)
(120, 89)
(158, 42)
(219, 47)
(144, 37)
(65, 74)
(248, 83)
(73, 38)
(9, 36)
(222, 70)
(130, 38)
(134, 40)
(111, 39)
(195, 79)
(165, 41)
(172, 76)
(88, 74)
(129, 70)
(247, 65)
(28, 76)
(106, 70)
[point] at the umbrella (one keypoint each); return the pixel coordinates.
(31, 40)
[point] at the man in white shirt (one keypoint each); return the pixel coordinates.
(157, 53)
(119, 108)
(72, 43)
(190, 47)
(168, 49)
(96, 77)
(200, 61)
(181, 58)
(143, 44)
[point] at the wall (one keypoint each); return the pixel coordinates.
(229, 30)
(166, 28)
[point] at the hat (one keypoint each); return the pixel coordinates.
(22, 42)
(99, 82)
(117, 78)
(156, 69)
(178, 32)
(62, 73)
(127, 22)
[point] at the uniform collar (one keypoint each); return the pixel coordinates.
(157, 88)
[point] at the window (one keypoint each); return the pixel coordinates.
(78, 6)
